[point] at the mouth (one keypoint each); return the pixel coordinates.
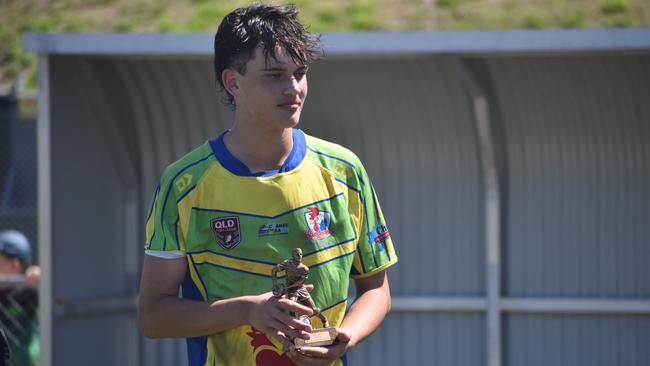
(293, 105)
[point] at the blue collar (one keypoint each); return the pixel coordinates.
(236, 167)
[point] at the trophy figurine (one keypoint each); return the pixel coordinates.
(294, 290)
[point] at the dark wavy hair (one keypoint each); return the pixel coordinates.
(266, 26)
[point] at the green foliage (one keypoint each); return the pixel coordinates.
(614, 6)
(362, 16)
(448, 3)
(40, 24)
(573, 20)
(533, 22)
(126, 24)
(76, 25)
(207, 16)
(326, 18)
(623, 21)
(167, 25)
(100, 2)
(302, 4)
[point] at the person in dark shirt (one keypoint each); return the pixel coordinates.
(18, 299)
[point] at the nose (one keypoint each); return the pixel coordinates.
(293, 87)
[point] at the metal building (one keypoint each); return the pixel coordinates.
(513, 168)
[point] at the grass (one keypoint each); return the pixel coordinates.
(19, 16)
(615, 6)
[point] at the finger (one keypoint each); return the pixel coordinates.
(317, 352)
(287, 345)
(277, 325)
(309, 287)
(284, 317)
(293, 322)
(343, 335)
(303, 360)
(330, 352)
(289, 330)
(294, 307)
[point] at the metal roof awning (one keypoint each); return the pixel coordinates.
(367, 43)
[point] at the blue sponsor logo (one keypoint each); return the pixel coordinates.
(378, 235)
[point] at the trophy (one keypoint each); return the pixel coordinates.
(294, 290)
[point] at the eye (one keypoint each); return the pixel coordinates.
(275, 75)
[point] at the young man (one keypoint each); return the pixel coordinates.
(225, 214)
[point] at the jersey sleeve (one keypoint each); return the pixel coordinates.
(162, 228)
(375, 251)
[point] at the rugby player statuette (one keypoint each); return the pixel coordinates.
(294, 290)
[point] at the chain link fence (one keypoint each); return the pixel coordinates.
(18, 211)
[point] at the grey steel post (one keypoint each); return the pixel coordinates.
(481, 110)
(44, 211)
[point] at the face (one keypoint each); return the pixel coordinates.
(9, 265)
(297, 255)
(271, 92)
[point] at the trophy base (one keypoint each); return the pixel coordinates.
(318, 337)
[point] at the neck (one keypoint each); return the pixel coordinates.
(260, 149)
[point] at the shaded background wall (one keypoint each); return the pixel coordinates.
(571, 137)
(18, 171)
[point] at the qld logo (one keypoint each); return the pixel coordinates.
(226, 231)
(318, 223)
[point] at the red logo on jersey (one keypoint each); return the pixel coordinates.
(318, 223)
(266, 354)
(226, 231)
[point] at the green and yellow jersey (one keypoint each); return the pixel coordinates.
(234, 226)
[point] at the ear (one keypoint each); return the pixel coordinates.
(230, 80)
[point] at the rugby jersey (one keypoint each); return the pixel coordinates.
(235, 226)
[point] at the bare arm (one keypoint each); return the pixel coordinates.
(370, 308)
(162, 314)
(363, 318)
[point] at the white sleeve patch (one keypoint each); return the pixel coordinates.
(165, 254)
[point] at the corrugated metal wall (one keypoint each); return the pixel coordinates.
(577, 147)
(573, 135)
(577, 140)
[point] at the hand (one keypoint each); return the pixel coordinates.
(271, 316)
(33, 276)
(321, 356)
